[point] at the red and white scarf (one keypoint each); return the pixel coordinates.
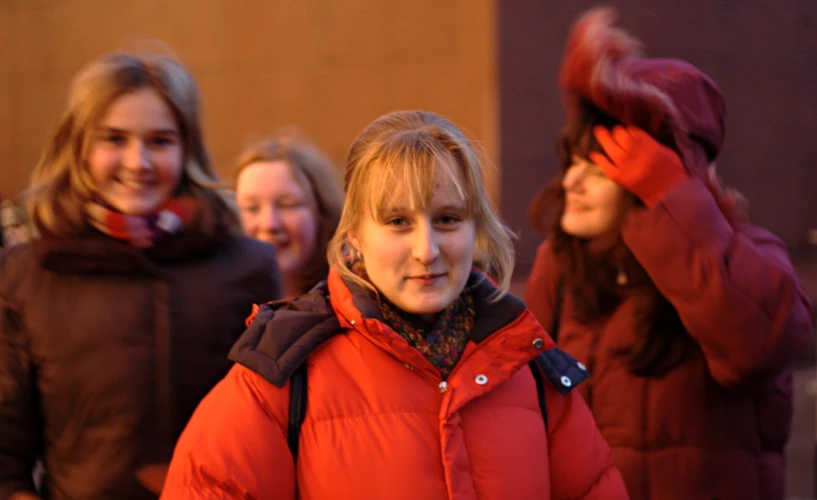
(141, 231)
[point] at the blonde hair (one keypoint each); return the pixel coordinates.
(61, 184)
(398, 154)
(317, 175)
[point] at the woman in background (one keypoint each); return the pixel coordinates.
(686, 315)
(289, 194)
(118, 319)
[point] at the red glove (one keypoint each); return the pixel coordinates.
(638, 163)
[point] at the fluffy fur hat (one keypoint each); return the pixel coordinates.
(671, 99)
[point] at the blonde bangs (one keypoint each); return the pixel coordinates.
(405, 174)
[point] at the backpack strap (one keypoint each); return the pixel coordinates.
(560, 370)
(540, 391)
(297, 408)
(538, 376)
(557, 309)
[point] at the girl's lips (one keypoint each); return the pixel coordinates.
(576, 207)
(427, 279)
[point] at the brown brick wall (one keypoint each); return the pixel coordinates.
(329, 66)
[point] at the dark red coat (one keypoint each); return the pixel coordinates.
(717, 425)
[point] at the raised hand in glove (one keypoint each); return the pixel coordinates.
(638, 163)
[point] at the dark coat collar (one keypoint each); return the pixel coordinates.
(284, 333)
(99, 254)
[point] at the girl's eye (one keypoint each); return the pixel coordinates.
(576, 163)
(250, 209)
(448, 220)
(290, 205)
(115, 139)
(397, 222)
(162, 141)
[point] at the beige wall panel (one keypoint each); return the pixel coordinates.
(327, 66)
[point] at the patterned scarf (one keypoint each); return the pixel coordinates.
(442, 344)
(141, 231)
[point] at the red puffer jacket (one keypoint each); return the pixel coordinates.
(381, 423)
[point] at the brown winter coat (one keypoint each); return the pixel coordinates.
(106, 350)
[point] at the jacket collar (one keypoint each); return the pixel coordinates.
(96, 253)
(284, 333)
(355, 302)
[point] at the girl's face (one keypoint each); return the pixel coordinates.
(136, 156)
(594, 205)
(419, 259)
(275, 208)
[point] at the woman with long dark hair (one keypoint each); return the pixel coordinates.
(686, 316)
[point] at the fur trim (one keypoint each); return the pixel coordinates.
(594, 41)
(596, 66)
